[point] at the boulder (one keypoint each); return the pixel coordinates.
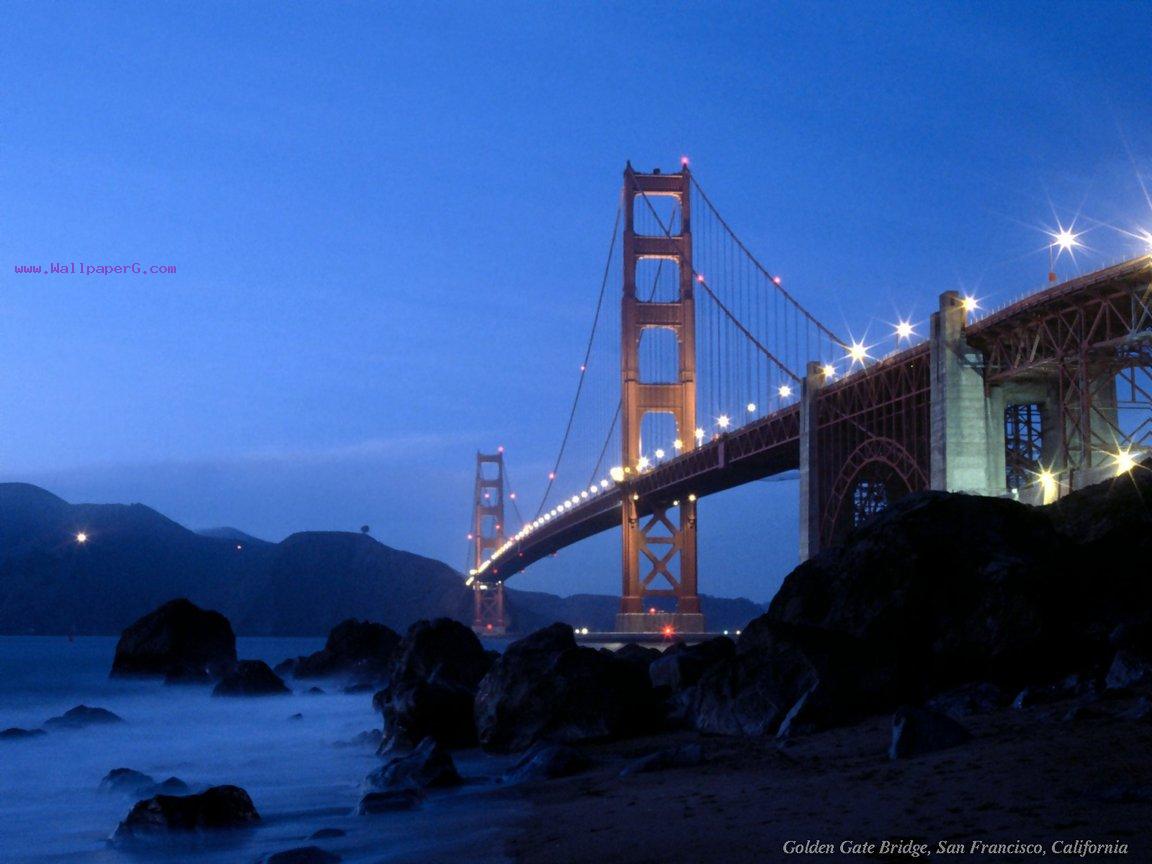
(1128, 669)
(221, 807)
(432, 686)
(178, 636)
(126, 781)
(966, 700)
(681, 666)
(82, 716)
(916, 731)
(548, 762)
(641, 655)
(546, 687)
(301, 855)
(685, 756)
(286, 667)
(360, 648)
(15, 733)
(1140, 711)
(389, 802)
(250, 678)
(428, 766)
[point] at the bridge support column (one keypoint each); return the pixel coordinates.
(488, 535)
(964, 445)
(659, 537)
(809, 477)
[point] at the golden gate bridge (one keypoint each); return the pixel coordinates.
(708, 374)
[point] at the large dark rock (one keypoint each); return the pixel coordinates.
(82, 716)
(177, 638)
(301, 855)
(938, 590)
(641, 655)
(15, 733)
(916, 731)
(428, 766)
(546, 761)
(1128, 669)
(250, 678)
(126, 781)
(389, 802)
(682, 665)
(220, 807)
(360, 648)
(432, 687)
(546, 687)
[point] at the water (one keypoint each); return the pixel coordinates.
(298, 776)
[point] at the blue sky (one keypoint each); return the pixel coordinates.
(388, 223)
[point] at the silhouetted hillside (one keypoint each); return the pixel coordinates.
(135, 559)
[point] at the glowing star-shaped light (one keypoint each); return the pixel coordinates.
(1065, 240)
(643, 463)
(723, 421)
(785, 391)
(699, 433)
(677, 444)
(617, 474)
(81, 537)
(659, 454)
(969, 304)
(829, 370)
(751, 407)
(904, 330)
(857, 352)
(1124, 462)
(1146, 239)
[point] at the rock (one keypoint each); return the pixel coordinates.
(126, 781)
(916, 731)
(1140, 711)
(250, 678)
(220, 807)
(548, 762)
(170, 786)
(286, 667)
(433, 680)
(1128, 670)
(389, 802)
(327, 834)
(314, 691)
(15, 733)
(1077, 713)
(177, 636)
(296, 716)
(967, 700)
(681, 666)
(638, 654)
(360, 687)
(367, 738)
(686, 756)
(546, 687)
(1034, 695)
(82, 716)
(428, 766)
(302, 855)
(361, 648)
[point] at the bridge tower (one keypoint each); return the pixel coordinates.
(659, 547)
(487, 536)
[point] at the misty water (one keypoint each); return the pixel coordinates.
(302, 774)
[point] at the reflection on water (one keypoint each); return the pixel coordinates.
(298, 777)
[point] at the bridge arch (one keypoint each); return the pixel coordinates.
(879, 472)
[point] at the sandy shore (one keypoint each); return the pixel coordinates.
(1027, 776)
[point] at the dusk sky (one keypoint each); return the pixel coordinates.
(388, 224)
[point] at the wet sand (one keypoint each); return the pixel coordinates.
(1027, 776)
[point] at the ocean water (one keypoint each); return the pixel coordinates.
(298, 773)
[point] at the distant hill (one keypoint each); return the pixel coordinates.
(135, 558)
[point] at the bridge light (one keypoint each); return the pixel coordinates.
(659, 454)
(643, 463)
(699, 433)
(785, 391)
(969, 304)
(583, 494)
(469, 536)
(1146, 238)
(857, 352)
(684, 162)
(593, 488)
(512, 495)
(692, 497)
(676, 503)
(81, 537)
(1124, 462)
(904, 330)
(1065, 240)
(500, 449)
(751, 407)
(603, 484)
(551, 475)
(617, 474)
(722, 421)
(776, 279)
(829, 370)
(677, 444)
(700, 278)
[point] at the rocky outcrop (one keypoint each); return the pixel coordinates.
(178, 639)
(433, 680)
(917, 731)
(428, 766)
(250, 678)
(15, 733)
(362, 649)
(938, 590)
(1128, 669)
(546, 687)
(682, 665)
(221, 807)
(82, 716)
(137, 784)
